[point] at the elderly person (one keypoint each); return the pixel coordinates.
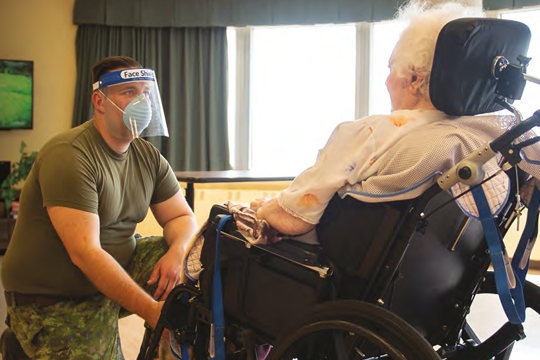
(383, 158)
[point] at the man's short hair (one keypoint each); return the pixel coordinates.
(112, 63)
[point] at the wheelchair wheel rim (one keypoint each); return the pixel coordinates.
(350, 330)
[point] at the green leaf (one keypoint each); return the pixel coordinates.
(19, 172)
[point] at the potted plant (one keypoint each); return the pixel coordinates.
(19, 172)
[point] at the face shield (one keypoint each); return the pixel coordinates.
(143, 115)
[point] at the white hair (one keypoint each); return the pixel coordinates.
(413, 53)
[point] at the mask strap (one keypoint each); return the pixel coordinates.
(112, 102)
(132, 123)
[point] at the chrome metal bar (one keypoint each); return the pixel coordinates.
(322, 271)
(462, 229)
(531, 79)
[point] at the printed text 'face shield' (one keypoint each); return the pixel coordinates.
(143, 115)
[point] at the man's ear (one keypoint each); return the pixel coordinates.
(98, 101)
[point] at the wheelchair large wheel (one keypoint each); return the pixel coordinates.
(352, 330)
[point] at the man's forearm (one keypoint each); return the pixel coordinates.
(111, 280)
(179, 231)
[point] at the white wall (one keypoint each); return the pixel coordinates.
(41, 31)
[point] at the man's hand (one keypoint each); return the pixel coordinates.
(179, 226)
(168, 270)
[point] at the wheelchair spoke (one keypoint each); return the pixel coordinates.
(339, 345)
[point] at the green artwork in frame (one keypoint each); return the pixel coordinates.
(16, 94)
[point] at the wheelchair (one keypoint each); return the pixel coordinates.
(398, 291)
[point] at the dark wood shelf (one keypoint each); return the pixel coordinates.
(7, 224)
(6, 230)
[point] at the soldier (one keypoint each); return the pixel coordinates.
(73, 262)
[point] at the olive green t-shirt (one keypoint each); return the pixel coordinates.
(78, 170)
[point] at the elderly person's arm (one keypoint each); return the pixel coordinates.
(345, 158)
(279, 219)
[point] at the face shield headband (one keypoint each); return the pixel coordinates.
(144, 115)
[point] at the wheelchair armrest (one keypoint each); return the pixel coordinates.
(306, 255)
(299, 252)
(531, 291)
(303, 254)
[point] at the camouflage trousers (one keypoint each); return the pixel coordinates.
(87, 329)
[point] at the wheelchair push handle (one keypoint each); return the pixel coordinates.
(506, 139)
(469, 171)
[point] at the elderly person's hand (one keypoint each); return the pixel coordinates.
(258, 203)
(285, 223)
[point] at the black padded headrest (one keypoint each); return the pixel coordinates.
(461, 77)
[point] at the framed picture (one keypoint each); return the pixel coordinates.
(16, 94)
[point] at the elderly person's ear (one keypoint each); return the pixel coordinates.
(416, 83)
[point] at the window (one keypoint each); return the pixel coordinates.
(529, 101)
(301, 86)
(290, 86)
(384, 37)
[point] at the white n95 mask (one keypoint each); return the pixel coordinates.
(137, 115)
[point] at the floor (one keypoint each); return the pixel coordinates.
(486, 316)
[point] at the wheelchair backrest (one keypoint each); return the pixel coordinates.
(440, 272)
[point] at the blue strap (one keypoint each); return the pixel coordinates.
(217, 345)
(182, 353)
(511, 299)
(530, 232)
(185, 351)
(179, 352)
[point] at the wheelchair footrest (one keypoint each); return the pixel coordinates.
(496, 344)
